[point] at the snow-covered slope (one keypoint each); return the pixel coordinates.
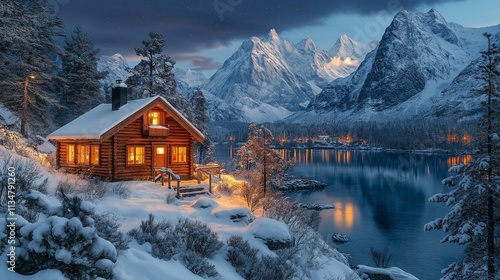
(413, 72)
(188, 80)
(190, 77)
(143, 198)
(269, 78)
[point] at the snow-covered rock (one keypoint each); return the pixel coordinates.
(234, 214)
(275, 234)
(394, 273)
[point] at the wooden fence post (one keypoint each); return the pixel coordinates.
(178, 189)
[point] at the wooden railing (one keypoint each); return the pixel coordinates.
(170, 175)
(208, 169)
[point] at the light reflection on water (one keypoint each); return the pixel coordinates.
(380, 199)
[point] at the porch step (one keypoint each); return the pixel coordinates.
(189, 189)
(193, 193)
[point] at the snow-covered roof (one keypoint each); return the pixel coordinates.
(95, 123)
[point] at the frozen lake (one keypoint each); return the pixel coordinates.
(380, 201)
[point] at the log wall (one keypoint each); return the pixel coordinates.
(113, 152)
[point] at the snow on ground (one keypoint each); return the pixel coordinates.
(7, 116)
(217, 212)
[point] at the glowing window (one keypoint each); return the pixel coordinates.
(83, 154)
(71, 154)
(135, 155)
(160, 151)
(179, 154)
(154, 118)
(94, 155)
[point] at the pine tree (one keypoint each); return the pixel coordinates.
(200, 120)
(81, 86)
(153, 75)
(475, 197)
(27, 58)
(258, 161)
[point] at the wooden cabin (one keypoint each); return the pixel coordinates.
(127, 140)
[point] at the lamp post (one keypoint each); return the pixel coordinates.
(24, 119)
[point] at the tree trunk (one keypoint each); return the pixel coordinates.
(24, 117)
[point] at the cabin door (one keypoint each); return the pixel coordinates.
(159, 157)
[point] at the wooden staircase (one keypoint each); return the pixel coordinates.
(191, 191)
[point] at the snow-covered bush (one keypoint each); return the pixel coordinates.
(107, 226)
(120, 189)
(242, 256)
(26, 174)
(198, 264)
(92, 188)
(190, 241)
(195, 236)
(224, 186)
(151, 231)
(307, 245)
(246, 261)
(64, 238)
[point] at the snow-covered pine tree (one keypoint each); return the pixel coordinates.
(200, 120)
(153, 75)
(475, 199)
(81, 88)
(259, 161)
(28, 65)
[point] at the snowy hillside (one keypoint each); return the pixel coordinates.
(418, 69)
(269, 78)
(131, 202)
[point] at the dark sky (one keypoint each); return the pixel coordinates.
(117, 26)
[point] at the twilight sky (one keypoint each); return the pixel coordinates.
(201, 34)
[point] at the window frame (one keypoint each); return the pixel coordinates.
(70, 153)
(83, 155)
(175, 152)
(161, 121)
(73, 153)
(135, 162)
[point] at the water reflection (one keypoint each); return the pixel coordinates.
(344, 214)
(380, 200)
(458, 160)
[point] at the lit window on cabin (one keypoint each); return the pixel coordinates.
(154, 118)
(179, 154)
(83, 154)
(135, 155)
(71, 154)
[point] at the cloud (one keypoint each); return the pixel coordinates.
(117, 26)
(200, 62)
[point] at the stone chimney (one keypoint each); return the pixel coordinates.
(118, 95)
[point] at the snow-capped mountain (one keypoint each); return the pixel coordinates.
(188, 80)
(190, 77)
(414, 72)
(269, 78)
(116, 66)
